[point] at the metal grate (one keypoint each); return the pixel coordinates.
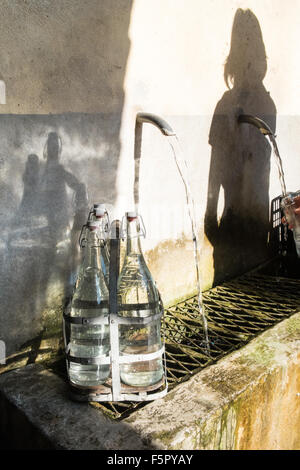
(236, 311)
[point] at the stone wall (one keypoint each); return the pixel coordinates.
(63, 64)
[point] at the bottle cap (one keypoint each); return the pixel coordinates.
(99, 210)
(131, 216)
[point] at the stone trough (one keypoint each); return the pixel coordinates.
(243, 395)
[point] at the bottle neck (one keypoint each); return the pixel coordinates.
(91, 259)
(133, 238)
(101, 230)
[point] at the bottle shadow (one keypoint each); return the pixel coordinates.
(240, 157)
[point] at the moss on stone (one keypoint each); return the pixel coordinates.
(205, 435)
(52, 319)
(170, 396)
(260, 353)
(164, 436)
(167, 437)
(293, 325)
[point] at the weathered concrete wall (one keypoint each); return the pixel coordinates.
(232, 174)
(63, 64)
(93, 65)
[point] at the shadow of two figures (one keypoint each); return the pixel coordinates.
(45, 200)
(42, 253)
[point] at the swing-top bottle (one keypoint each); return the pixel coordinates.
(138, 297)
(90, 300)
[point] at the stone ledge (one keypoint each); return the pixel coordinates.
(41, 397)
(236, 403)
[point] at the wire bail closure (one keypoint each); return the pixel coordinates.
(141, 228)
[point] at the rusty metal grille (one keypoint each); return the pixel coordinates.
(236, 311)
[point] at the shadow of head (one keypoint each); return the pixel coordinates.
(53, 147)
(247, 60)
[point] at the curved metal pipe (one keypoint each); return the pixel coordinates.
(164, 128)
(257, 122)
(266, 131)
(157, 121)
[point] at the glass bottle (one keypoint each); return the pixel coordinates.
(90, 300)
(83, 250)
(138, 297)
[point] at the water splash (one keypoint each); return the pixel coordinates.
(182, 167)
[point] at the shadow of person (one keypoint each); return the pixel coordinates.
(54, 182)
(64, 219)
(240, 157)
(25, 249)
(40, 251)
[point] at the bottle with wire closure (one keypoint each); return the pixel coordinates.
(97, 212)
(138, 297)
(90, 301)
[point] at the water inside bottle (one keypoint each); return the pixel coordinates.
(141, 341)
(88, 342)
(138, 297)
(89, 301)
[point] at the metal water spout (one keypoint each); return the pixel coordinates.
(164, 128)
(157, 121)
(264, 128)
(257, 122)
(290, 202)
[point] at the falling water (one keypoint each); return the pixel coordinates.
(281, 178)
(183, 168)
(279, 163)
(264, 128)
(267, 132)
